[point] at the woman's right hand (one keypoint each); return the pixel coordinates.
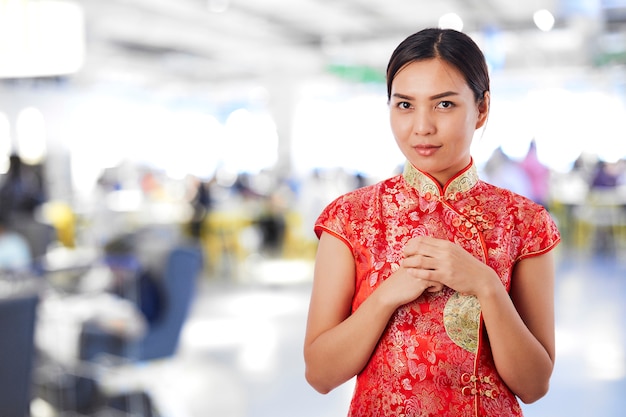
(403, 286)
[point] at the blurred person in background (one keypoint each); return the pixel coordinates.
(272, 224)
(15, 255)
(605, 176)
(605, 205)
(22, 191)
(201, 204)
(434, 288)
(538, 175)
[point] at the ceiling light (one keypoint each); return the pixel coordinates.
(451, 21)
(41, 38)
(544, 20)
(218, 6)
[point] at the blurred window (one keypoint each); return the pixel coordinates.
(31, 135)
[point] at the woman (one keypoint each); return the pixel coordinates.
(433, 287)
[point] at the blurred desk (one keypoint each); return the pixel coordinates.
(224, 239)
(230, 236)
(598, 220)
(77, 289)
(68, 385)
(61, 318)
(63, 267)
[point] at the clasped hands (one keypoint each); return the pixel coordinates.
(429, 264)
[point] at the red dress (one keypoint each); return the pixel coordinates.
(434, 357)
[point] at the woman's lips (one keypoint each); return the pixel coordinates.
(426, 150)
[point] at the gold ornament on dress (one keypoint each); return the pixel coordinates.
(424, 184)
(461, 319)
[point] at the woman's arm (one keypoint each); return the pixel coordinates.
(521, 327)
(338, 344)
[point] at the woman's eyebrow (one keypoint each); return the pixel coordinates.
(442, 95)
(402, 96)
(433, 97)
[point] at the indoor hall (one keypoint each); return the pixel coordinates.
(179, 152)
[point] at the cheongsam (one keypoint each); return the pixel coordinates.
(434, 358)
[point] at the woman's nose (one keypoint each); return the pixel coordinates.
(423, 123)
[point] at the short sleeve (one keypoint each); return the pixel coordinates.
(540, 235)
(334, 219)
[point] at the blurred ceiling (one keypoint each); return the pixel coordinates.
(190, 43)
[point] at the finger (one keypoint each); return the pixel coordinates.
(436, 287)
(424, 245)
(423, 274)
(420, 262)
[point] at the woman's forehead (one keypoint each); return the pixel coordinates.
(431, 75)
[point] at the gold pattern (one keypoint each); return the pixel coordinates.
(461, 319)
(427, 185)
(479, 385)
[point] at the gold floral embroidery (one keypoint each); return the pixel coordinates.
(461, 319)
(426, 186)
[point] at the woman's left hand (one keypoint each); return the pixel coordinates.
(447, 263)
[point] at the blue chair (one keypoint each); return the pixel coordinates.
(17, 326)
(177, 287)
(177, 283)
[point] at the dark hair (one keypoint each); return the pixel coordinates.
(452, 46)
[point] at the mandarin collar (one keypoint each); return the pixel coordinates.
(427, 186)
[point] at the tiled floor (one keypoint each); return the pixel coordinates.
(241, 352)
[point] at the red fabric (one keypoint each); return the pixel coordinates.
(417, 368)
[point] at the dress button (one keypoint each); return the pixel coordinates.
(467, 378)
(490, 393)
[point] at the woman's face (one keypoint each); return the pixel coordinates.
(434, 116)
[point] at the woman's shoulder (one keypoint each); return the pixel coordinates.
(535, 230)
(359, 203)
(511, 206)
(507, 196)
(527, 216)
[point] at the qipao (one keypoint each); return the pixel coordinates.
(434, 357)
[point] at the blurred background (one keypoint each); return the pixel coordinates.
(162, 163)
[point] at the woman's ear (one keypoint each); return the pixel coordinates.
(483, 110)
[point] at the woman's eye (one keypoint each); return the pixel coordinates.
(445, 105)
(404, 105)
